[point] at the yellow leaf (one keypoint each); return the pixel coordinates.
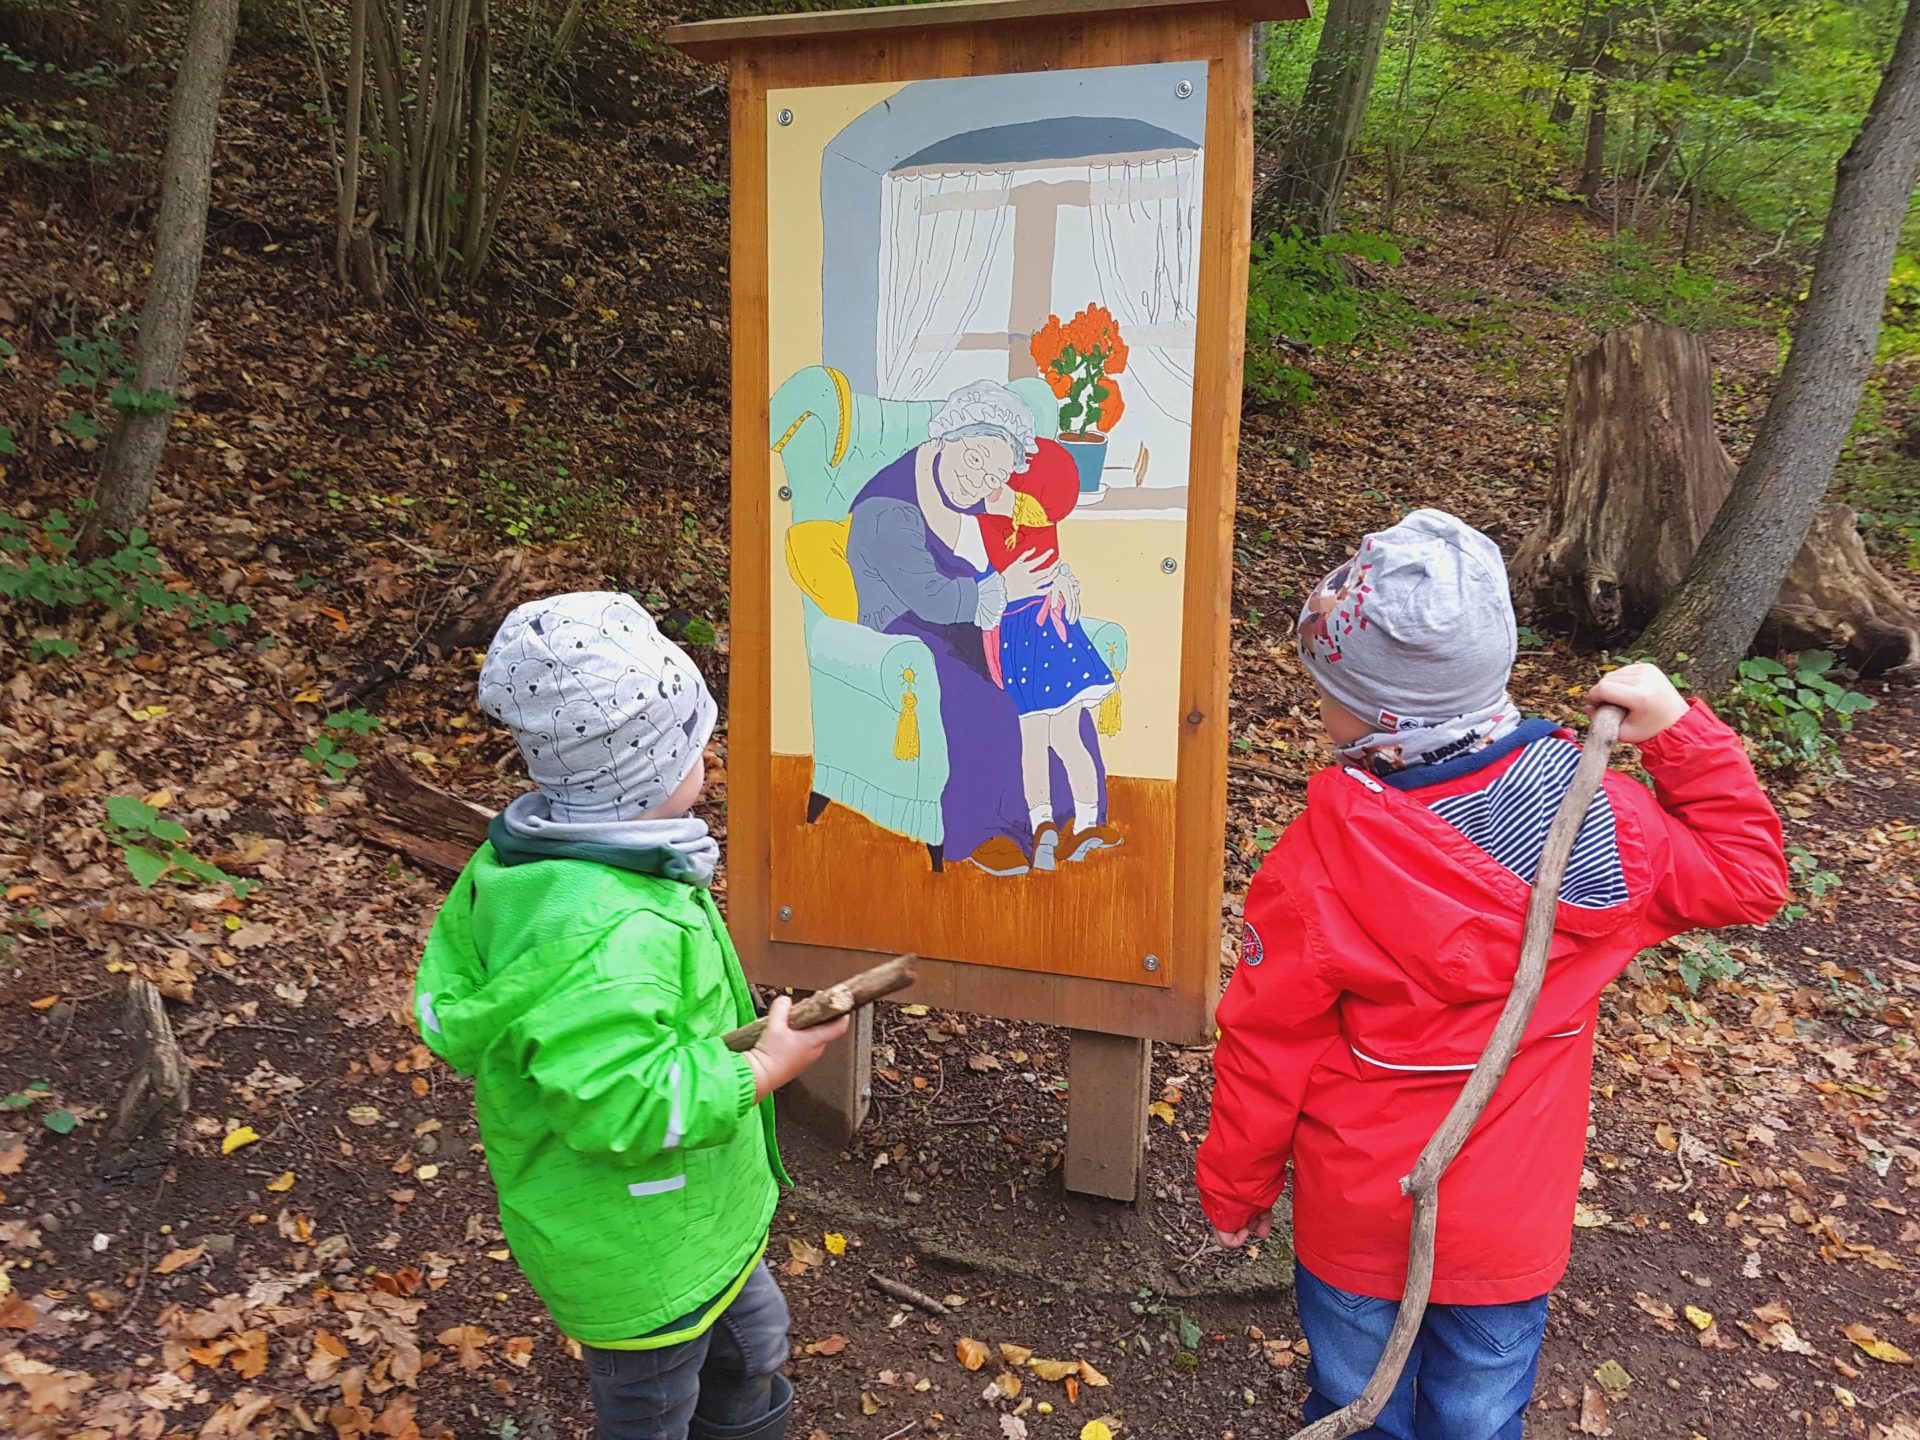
(234, 922)
(499, 1254)
(282, 1183)
(1008, 1384)
(307, 697)
(1696, 1317)
(1884, 1351)
(45, 1002)
(914, 1010)
(426, 1172)
(121, 967)
(1664, 1137)
(970, 1353)
(245, 1135)
(1091, 1376)
(1054, 1369)
(1096, 1430)
(178, 1259)
(1160, 1110)
(836, 1244)
(1015, 1354)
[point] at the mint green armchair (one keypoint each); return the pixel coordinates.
(878, 746)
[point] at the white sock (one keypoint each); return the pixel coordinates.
(1040, 815)
(1086, 816)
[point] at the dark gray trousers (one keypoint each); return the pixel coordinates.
(725, 1376)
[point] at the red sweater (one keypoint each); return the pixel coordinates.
(1381, 940)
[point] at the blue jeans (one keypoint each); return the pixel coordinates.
(729, 1376)
(1469, 1377)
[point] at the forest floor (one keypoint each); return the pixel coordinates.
(318, 1252)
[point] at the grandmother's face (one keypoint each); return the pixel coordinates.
(975, 467)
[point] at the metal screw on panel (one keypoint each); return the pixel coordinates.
(1169, 565)
(1183, 90)
(1151, 963)
(786, 492)
(786, 912)
(785, 117)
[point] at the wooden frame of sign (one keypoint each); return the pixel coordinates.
(1122, 945)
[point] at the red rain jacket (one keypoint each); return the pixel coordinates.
(1380, 945)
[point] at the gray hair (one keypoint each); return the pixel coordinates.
(987, 408)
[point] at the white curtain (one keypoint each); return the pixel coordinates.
(1144, 231)
(945, 254)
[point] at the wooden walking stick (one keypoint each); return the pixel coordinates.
(1424, 1183)
(834, 1001)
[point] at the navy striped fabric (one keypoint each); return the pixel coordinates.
(1510, 819)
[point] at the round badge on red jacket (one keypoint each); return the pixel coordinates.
(1252, 952)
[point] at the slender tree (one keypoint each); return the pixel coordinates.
(186, 182)
(1306, 192)
(1715, 612)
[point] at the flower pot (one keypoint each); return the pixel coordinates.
(1090, 457)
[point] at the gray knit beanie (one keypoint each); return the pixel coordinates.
(1416, 628)
(610, 715)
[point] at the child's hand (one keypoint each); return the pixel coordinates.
(1648, 697)
(783, 1052)
(1233, 1240)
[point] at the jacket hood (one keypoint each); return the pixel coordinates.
(1455, 925)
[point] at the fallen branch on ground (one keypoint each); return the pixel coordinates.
(1424, 1183)
(906, 1294)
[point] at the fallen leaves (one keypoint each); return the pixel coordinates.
(1612, 1376)
(971, 1353)
(831, 1345)
(179, 1259)
(468, 1342)
(836, 1244)
(1593, 1411)
(282, 1183)
(1885, 1351)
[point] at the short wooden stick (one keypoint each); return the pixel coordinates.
(834, 1001)
(1424, 1183)
(906, 1294)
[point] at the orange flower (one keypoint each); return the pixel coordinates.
(1111, 408)
(1060, 383)
(1047, 343)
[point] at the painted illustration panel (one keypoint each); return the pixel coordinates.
(981, 338)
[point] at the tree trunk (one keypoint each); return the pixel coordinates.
(1306, 193)
(133, 455)
(1262, 60)
(158, 1095)
(1639, 478)
(1721, 601)
(1593, 169)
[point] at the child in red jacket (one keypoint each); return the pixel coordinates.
(1381, 939)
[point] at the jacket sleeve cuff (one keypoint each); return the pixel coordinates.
(1228, 1216)
(1697, 727)
(745, 1081)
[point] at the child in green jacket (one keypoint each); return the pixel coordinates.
(581, 974)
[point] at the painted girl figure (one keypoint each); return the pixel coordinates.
(920, 567)
(1041, 656)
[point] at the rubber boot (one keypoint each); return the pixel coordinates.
(770, 1426)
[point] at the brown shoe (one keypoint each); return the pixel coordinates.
(1077, 844)
(1001, 856)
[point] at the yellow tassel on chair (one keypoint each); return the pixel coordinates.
(906, 734)
(1107, 722)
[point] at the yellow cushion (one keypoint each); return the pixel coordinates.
(817, 560)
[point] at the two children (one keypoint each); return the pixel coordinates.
(580, 972)
(1382, 935)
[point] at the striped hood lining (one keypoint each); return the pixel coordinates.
(1509, 819)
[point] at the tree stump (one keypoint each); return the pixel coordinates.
(1639, 475)
(156, 1098)
(1638, 479)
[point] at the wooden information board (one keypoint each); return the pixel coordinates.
(989, 267)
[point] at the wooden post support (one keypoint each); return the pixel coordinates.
(831, 1098)
(1107, 1081)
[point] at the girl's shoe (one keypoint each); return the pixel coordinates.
(1045, 841)
(1078, 844)
(1001, 856)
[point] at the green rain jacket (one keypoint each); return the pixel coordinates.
(587, 1001)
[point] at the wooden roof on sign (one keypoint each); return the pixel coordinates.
(716, 39)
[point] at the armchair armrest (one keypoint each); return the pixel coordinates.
(1109, 637)
(873, 663)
